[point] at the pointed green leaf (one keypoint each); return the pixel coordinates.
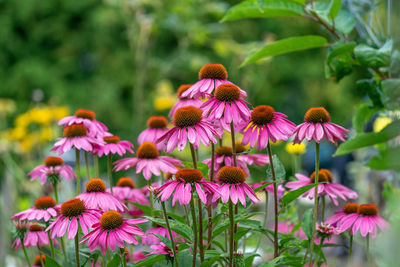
(387, 159)
(307, 223)
(285, 46)
(150, 260)
(178, 227)
(334, 8)
(292, 195)
(50, 262)
(362, 115)
(115, 261)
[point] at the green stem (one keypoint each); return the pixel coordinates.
(264, 220)
(25, 253)
(40, 257)
(193, 152)
(123, 257)
(150, 198)
(368, 254)
(276, 252)
(315, 203)
(78, 172)
(231, 233)
(109, 170)
(320, 245)
(209, 208)
(350, 249)
(50, 241)
(170, 234)
(55, 191)
(63, 250)
(87, 164)
(96, 166)
(186, 214)
(323, 209)
(194, 230)
(77, 250)
(233, 145)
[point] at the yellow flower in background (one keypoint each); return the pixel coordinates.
(163, 103)
(277, 143)
(23, 120)
(295, 149)
(42, 115)
(28, 142)
(60, 112)
(46, 134)
(381, 122)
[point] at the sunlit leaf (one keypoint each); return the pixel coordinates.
(387, 159)
(292, 195)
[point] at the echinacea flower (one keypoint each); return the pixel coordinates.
(250, 159)
(88, 119)
(233, 186)
(53, 168)
(156, 127)
(266, 124)
(44, 208)
(148, 162)
(74, 215)
(210, 77)
(163, 249)
(184, 101)
(224, 157)
(35, 237)
(150, 239)
(112, 231)
(342, 213)
(269, 188)
(227, 106)
(96, 197)
(189, 125)
(366, 220)
(329, 188)
(327, 230)
(138, 256)
(112, 145)
(317, 125)
(75, 136)
(181, 187)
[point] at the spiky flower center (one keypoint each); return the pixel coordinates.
(213, 71)
(111, 220)
(368, 210)
(227, 92)
(231, 175)
(189, 175)
(318, 114)
(95, 185)
(350, 208)
(73, 207)
(224, 151)
(85, 114)
(187, 116)
(182, 89)
(38, 262)
(147, 150)
(324, 175)
(111, 139)
(43, 203)
(157, 122)
(262, 115)
(53, 161)
(35, 227)
(126, 182)
(75, 130)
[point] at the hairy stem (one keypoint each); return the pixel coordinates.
(78, 172)
(350, 250)
(50, 241)
(109, 170)
(55, 191)
(368, 253)
(123, 257)
(194, 230)
(87, 164)
(77, 250)
(209, 208)
(170, 234)
(150, 198)
(231, 233)
(96, 166)
(233, 145)
(315, 214)
(40, 256)
(25, 253)
(276, 252)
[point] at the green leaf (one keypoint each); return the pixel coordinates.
(368, 139)
(307, 223)
(262, 187)
(185, 258)
(272, 263)
(249, 257)
(115, 261)
(178, 227)
(387, 159)
(292, 195)
(50, 262)
(285, 46)
(263, 9)
(344, 21)
(225, 223)
(362, 114)
(370, 87)
(374, 58)
(280, 172)
(339, 48)
(150, 260)
(391, 93)
(334, 7)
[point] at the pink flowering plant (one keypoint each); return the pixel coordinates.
(187, 196)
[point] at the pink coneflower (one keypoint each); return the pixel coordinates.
(367, 221)
(138, 256)
(44, 208)
(210, 77)
(233, 186)
(112, 231)
(250, 159)
(145, 189)
(269, 188)
(150, 239)
(317, 126)
(184, 101)
(227, 106)
(74, 215)
(224, 157)
(75, 135)
(189, 125)
(96, 197)
(53, 168)
(348, 211)
(156, 127)
(35, 237)
(287, 228)
(148, 162)
(329, 188)
(88, 119)
(185, 180)
(113, 145)
(266, 124)
(163, 249)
